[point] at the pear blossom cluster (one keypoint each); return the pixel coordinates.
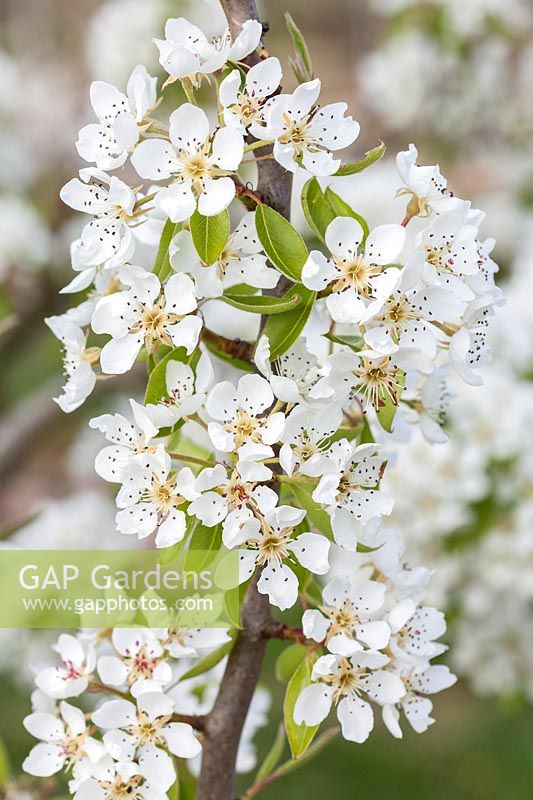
(379, 641)
(139, 693)
(273, 441)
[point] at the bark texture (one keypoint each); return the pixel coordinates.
(223, 725)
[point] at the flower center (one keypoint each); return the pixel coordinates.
(346, 680)
(141, 665)
(296, 133)
(71, 671)
(440, 257)
(73, 746)
(273, 545)
(398, 311)
(147, 730)
(248, 108)
(225, 258)
(343, 619)
(153, 324)
(354, 273)
(119, 789)
(164, 495)
(237, 491)
(245, 428)
(377, 380)
(196, 168)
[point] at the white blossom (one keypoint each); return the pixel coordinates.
(128, 439)
(71, 677)
(150, 497)
(198, 164)
(139, 656)
(107, 239)
(242, 415)
(65, 743)
(346, 620)
(186, 391)
(187, 53)
(78, 360)
(108, 142)
(341, 681)
(271, 544)
(304, 134)
(146, 314)
(243, 104)
(350, 493)
(351, 275)
(145, 727)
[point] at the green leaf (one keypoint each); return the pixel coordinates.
(282, 330)
(299, 736)
(162, 266)
(210, 235)
(387, 411)
(174, 791)
(157, 382)
(281, 242)
(208, 540)
(273, 756)
(261, 303)
(209, 661)
(316, 208)
(5, 769)
(288, 661)
(341, 209)
(355, 343)
(302, 65)
(312, 752)
(371, 157)
(315, 513)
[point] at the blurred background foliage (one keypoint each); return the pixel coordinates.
(456, 77)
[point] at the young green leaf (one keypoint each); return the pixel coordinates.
(209, 661)
(281, 242)
(210, 235)
(5, 769)
(315, 513)
(355, 343)
(273, 756)
(261, 303)
(174, 792)
(288, 661)
(302, 64)
(312, 752)
(299, 736)
(316, 208)
(157, 382)
(282, 330)
(387, 411)
(162, 266)
(371, 157)
(341, 209)
(207, 540)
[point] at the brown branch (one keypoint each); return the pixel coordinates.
(196, 721)
(279, 630)
(225, 722)
(236, 348)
